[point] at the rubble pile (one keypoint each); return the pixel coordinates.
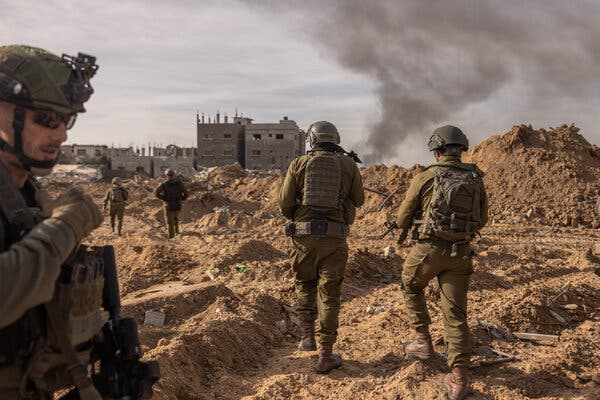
(226, 289)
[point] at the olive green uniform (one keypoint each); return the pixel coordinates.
(173, 200)
(430, 258)
(319, 262)
(116, 208)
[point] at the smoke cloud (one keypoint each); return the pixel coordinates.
(434, 59)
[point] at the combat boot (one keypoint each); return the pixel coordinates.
(456, 383)
(327, 360)
(307, 343)
(421, 346)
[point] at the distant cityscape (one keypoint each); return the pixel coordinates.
(237, 139)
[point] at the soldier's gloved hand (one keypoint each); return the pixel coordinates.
(402, 237)
(43, 198)
(77, 210)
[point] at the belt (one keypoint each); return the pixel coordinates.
(317, 227)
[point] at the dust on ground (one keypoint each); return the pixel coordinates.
(231, 333)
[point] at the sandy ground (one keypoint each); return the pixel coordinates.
(232, 334)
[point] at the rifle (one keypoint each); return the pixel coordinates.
(121, 374)
(391, 226)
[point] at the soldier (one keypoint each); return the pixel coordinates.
(116, 197)
(320, 193)
(40, 97)
(172, 192)
(445, 205)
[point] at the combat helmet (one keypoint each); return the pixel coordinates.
(116, 180)
(322, 132)
(446, 136)
(36, 79)
(169, 172)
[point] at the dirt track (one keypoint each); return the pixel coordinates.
(235, 336)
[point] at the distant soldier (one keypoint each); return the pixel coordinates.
(173, 192)
(446, 205)
(116, 197)
(320, 194)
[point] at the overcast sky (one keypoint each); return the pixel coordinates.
(385, 72)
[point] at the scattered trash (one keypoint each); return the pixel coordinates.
(535, 337)
(241, 267)
(558, 317)
(389, 252)
(570, 307)
(373, 310)
(154, 318)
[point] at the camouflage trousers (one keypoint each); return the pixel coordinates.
(319, 265)
(116, 211)
(172, 219)
(428, 260)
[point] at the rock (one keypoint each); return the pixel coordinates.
(373, 310)
(529, 213)
(596, 249)
(282, 326)
(154, 318)
(389, 252)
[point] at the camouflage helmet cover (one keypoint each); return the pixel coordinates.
(323, 132)
(116, 180)
(447, 135)
(169, 172)
(35, 78)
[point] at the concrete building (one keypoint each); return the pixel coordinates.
(252, 145)
(220, 143)
(84, 154)
(273, 145)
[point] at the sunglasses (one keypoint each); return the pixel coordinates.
(53, 119)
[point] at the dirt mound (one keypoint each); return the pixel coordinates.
(542, 175)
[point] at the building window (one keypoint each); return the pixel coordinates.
(81, 152)
(98, 153)
(227, 135)
(256, 152)
(279, 136)
(207, 136)
(208, 152)
(228, 152)
(257, 136)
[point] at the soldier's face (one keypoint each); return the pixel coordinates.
(42, 143)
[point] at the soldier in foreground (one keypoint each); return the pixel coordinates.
(173, 192)
(446, 205)
(320, 193)
(40, 97)
(115, 199)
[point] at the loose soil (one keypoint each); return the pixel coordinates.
(231, 332)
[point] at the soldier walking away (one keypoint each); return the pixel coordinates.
(40, 97)
(173, 192)
(320, 193)
(446, 205)
(116, 198)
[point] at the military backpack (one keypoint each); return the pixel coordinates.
(454, 211)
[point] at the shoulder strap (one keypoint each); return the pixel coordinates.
(12, 204)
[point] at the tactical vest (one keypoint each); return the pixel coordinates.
(322, 181)
(117, 194)
(29, 346)
(453, 213)
(173, 191)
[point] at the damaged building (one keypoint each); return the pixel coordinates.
(252, 145)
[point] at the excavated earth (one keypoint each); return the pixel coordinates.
(230, 332)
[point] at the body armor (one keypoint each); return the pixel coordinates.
(322, 181)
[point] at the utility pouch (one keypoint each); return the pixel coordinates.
(289, 229)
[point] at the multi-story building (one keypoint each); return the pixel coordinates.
(252, 145)
(84, 153)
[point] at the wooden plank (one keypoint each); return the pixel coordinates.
(534, 336)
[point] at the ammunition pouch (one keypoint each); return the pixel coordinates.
(318, 228)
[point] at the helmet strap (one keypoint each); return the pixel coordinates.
(17, 149)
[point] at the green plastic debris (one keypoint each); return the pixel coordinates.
(241, 267)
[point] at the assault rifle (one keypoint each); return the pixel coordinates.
(390, 226)
(121, 374)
